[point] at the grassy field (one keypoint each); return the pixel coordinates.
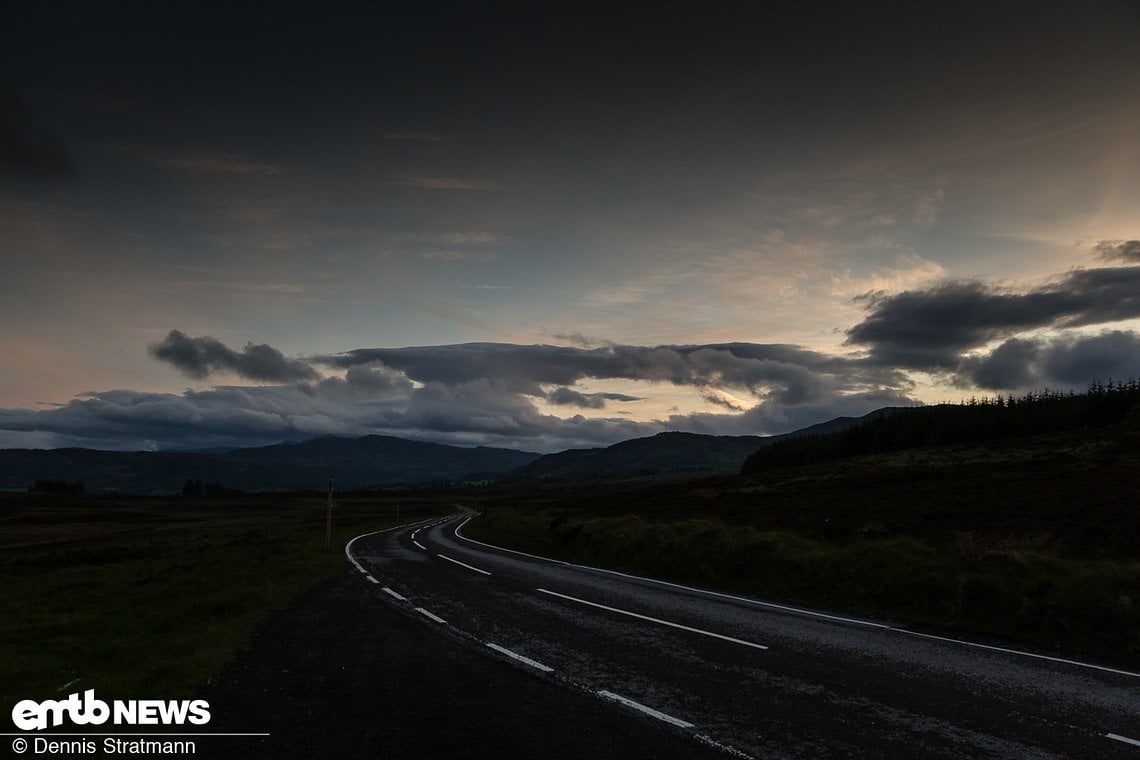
(1033, 540)
(147, 597)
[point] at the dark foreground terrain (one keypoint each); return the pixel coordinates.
(341, 674)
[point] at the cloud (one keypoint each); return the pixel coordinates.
(786, 373)
(1118, 250)
(444, 183)
(216, 162)
(568, 397)
(26, 149)
(1064, 361)
(723, 399)
(976, 335)
(466, 237)
(192, 161)
(199, 357)
(468, 394)
(931, 329)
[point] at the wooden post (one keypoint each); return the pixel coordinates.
(328, 518)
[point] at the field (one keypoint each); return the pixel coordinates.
(1032, 540)
(148, 597)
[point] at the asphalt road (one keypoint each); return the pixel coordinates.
(744, 677)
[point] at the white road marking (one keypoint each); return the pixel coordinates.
(463, 564)
(722, 747)
(348, 546)
(647, 710)
(392, 593)
(659, 621)
(427, 614)
(521, 658)
(1124, 739)
(371, 579)
(417, 543)
(1013, 651)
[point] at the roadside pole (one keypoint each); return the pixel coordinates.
(328, 518)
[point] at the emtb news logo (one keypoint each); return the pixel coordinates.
(29, 715)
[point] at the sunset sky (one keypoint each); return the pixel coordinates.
(549, 225)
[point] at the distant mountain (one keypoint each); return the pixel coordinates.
(384, 460)
(662, 454)
(353, 463)
(378, 461)
(665, 454)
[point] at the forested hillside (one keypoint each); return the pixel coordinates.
(972, 421)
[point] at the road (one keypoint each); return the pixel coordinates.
(743, 676)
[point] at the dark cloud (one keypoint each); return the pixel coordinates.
(199, 357)
(931, 329)
(794, 373)
(366, 382)
(472, 394)
(1065, 361)
(133, 420)
(1013, 364)
(26, 149)
(1118, 250)
(564, 396)
(488, 393)
(727, 403)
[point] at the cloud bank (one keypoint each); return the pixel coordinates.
(1060, 334)
(523, 396)
(942, 328)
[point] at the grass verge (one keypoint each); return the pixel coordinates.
(147, 598)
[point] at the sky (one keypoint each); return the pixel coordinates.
(555, 225)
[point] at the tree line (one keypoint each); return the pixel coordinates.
(970, 421)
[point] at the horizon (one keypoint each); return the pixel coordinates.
(547, 228)
(301, 441)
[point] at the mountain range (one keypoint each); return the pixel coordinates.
(670, 454)
(377, 461)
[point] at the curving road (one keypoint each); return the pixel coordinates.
(743, 676)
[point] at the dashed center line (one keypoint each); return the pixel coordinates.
(392, 593)
(521, 658)
(1124, 739)
(371, 579)
(462, 564)
(647, 710)
(430, 616)
(659, 621)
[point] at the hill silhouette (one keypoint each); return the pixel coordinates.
(972, 421)
(373, 461)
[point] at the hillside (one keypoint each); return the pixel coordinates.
(971, 422)
(662, 454)
(671, 455)
(353, 463)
